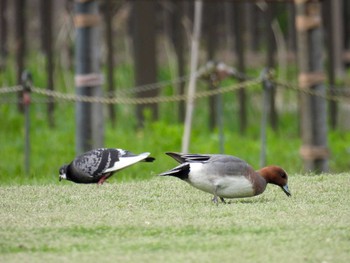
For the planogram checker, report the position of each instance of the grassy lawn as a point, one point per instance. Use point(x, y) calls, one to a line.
point(166, 220)
point(138, 217)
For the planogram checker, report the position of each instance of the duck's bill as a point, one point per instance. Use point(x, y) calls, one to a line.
point(286, 190)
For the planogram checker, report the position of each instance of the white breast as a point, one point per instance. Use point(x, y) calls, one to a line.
point(225, 185)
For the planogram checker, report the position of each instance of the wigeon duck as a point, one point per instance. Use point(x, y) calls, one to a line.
point(225, 176)
point(97, 165)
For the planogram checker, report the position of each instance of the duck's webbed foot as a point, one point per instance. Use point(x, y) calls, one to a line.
point(215, 200)
point(223, 200)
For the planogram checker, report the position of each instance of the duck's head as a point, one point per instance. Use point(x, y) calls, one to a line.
point(276, 175)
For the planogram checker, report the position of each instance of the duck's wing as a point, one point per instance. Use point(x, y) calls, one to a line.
point(189, 157)
point(215, 163)
point(227, 165)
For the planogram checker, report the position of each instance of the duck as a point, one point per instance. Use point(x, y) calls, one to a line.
point(226, 176)
point(97, 165)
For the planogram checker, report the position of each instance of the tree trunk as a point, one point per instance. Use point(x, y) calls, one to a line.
point(3, 33)
point(20, 43)
point(238, 14)
point(334, 28)
point(178, 39)
point(256, 27)
point(108, 16)
point(88, 80)
point(271, 47)
point(210, 9)
point(144, 36)
point(346, 32)
point(46, 38)
point(292, 45)
point(314, 150)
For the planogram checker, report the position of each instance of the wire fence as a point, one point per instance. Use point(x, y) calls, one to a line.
point(213, 72)
point(127, 96)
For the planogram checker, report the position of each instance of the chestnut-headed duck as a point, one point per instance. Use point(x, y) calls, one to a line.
point(226, 176)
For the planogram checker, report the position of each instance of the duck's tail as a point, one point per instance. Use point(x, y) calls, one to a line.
point(181, 171)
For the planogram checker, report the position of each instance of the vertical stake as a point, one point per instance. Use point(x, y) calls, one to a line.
point(26, 78)
point(267, 87)
point(215, 83)
point(219, 112)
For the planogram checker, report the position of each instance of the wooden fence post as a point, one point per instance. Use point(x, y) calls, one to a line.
point(88, 79)
point(314, 150)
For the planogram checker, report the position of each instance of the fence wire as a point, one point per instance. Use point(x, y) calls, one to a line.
point(327, 94)
point(144, 100)
point(337, 94)
point(12, 89)
point(148, 87)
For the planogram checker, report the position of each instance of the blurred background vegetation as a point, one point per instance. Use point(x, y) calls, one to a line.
point(246, 35)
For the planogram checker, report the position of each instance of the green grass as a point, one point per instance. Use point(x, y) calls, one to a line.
point(166, 220)
point(51, 147)
point(139, 218)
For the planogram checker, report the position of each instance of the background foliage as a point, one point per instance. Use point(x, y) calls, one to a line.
point(51, 147)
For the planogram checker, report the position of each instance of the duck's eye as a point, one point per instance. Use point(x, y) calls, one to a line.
point(283, 175)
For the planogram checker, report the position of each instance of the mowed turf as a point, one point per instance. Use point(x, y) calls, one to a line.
point(166, 220)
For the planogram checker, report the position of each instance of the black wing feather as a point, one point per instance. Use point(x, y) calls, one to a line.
point(183, 157)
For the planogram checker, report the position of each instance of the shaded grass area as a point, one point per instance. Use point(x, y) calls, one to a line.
point(164, 219)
